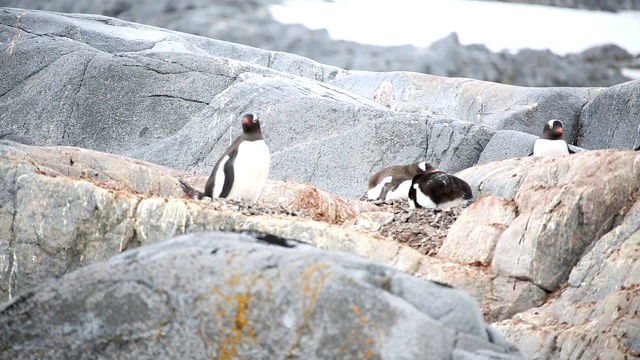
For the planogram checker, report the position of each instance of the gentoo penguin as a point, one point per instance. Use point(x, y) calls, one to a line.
point(241, 172)
point(551, 142)
point(438, 190)
point(393, 182)
point(636, 147)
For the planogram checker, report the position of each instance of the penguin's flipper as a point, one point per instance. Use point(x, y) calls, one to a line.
point(190, 191)
point(227, 169)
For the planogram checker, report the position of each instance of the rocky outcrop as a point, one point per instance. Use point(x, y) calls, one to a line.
point(538, 224)
point(559, 225)
point(233, 296)
point(173, 99)
point(614, 6)
point(63, 208)
point(529, 247)
point(250, 23)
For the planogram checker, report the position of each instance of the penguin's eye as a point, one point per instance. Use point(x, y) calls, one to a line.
point(255, 120)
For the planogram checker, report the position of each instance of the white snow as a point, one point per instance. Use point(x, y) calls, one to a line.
point(500, 26)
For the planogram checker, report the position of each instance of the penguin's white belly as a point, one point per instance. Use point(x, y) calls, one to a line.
point(421, 199)
point(375, 191)
point(550, 148)
point(401, 192)
point(250, 171)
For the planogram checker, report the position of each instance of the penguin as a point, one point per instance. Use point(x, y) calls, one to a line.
point(636, 147)
point(551, 142)
point(438, 190)
point(393, 182)
point(241, 172)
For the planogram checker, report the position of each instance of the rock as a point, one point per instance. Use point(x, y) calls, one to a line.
point(614, 6)
point(331, 139)
point(219, 295)
point(456, 145)
point(334, 130)
point(557, 209)
point(611, 119)
point(507, 144)
point(473, 237)
point(562, 212)
point(563, 205)
point(90, 206)
point(597, 314)
point(250, 23)
point(84, 221)
point(496, 106)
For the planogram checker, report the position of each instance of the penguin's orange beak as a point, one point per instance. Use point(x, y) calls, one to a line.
point(245, 121)
point(559, 131)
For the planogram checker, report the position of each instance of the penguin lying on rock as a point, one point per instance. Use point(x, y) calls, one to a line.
point(241, 172)
point(436, 189)
point(551, 142)
point(393, 182)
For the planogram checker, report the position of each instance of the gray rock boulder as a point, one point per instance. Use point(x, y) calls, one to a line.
point(250, 23)
point(235, 296)
point(168, 101)
point(614, 6)
point(563, 204)
point(497, 106)
point(611, 119)
point(62, 208)
point(557, 225)
point(537, 225)
point(173, 99)
point(596, 316)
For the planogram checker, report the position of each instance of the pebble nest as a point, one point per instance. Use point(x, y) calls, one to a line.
point(422, 229)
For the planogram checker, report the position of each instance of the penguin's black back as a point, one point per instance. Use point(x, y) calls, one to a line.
point(440, 187)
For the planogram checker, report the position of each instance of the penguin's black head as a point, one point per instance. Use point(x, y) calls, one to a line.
point(250, 124)
point(552, 130)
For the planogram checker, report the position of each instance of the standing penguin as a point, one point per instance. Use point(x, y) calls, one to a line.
point(551, 142)
point(241, 172)
point(438, 190)
point(393, 182)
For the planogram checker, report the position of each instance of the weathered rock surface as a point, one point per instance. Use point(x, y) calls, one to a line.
point(596, 316)
point(562, 206)
point(610, 5)
point(173, 99)
point(131, 89)
point(229, 296)
point(611, 119)
point(62, 208)
point(552, 221)
point(250, 23)
point(543, 223)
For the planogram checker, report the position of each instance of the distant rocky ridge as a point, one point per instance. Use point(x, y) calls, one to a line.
point(609, 5)
point(250, 23)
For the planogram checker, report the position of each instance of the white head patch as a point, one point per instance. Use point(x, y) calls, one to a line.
point(552, 121)
point(423, 166)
